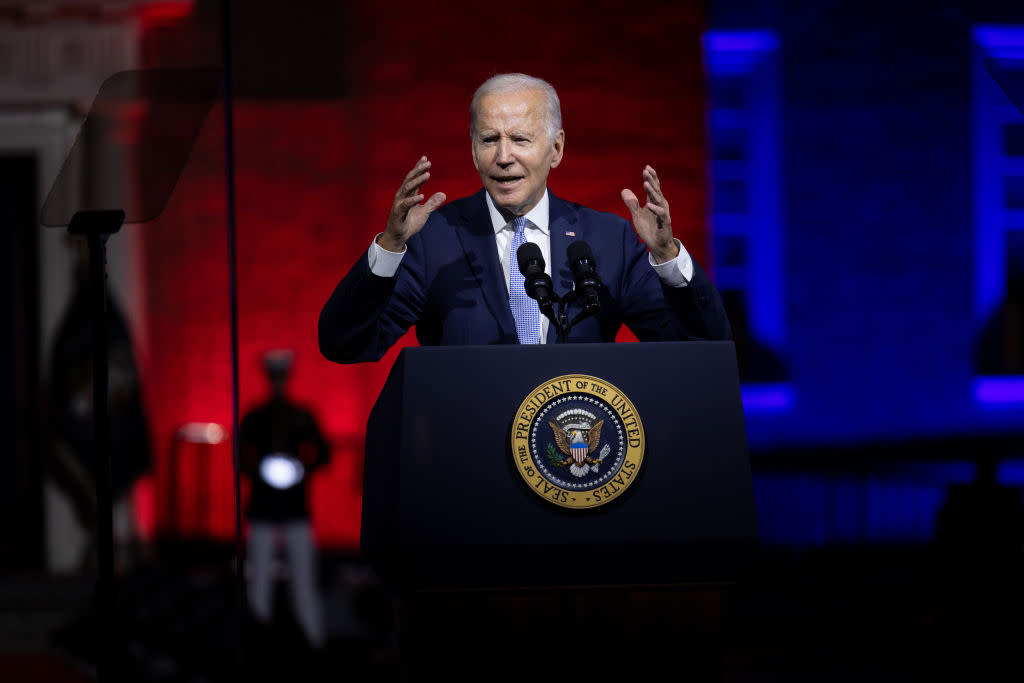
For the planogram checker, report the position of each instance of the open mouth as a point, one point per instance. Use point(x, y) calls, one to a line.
point(507, 181)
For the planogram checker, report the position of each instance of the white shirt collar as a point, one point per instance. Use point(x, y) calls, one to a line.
point(538, 215)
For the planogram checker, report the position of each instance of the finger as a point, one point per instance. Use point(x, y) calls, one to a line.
point(630, 200)
point(654, 193)
point(651, 176)
point(419, 167)
point(412, 186)
point(422, 165)
point(657, 210)
point(408, 202)
point(436, 200)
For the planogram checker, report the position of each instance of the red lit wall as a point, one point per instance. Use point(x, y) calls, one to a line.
point(315, 179)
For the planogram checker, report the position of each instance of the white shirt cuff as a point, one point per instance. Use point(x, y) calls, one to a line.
point(384, 263)
point(675, 273)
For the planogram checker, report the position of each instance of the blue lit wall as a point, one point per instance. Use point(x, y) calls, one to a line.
point(878, 216)
point(879, 269)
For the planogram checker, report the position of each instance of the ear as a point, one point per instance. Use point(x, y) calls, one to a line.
point(559, 146)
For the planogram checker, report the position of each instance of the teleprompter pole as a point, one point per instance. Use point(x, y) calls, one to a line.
point(97, 226)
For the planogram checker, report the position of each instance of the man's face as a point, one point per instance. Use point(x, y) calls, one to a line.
point(512, 150)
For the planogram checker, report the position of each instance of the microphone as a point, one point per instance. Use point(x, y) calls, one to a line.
point(584, 270)
point(537, 283)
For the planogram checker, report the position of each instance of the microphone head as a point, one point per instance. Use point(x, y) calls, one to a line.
point(579, 251)
point(529, 255)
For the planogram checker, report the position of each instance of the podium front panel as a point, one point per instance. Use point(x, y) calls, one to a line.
point(445, 506)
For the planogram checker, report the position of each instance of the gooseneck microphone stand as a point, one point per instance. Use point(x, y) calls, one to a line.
point(561, 319)
point(538, 285)
point(592, 304)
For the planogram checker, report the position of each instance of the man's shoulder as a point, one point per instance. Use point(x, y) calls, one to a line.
point(587, 213)
point(574, 212)
point(463, 208)
point(449, 218)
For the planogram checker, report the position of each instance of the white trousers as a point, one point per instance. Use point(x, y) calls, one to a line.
point(296, 538)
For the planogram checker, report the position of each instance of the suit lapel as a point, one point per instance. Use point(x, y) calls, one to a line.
point(564, 230)
point(477, 237)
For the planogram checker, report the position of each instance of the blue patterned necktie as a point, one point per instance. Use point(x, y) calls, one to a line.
point(524, 309)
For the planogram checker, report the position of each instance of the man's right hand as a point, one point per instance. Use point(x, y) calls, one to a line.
point(407, 214)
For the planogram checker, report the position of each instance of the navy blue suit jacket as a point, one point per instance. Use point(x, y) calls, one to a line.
point(451, 286)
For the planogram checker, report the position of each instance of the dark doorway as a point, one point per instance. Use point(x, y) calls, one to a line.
point(21, 491)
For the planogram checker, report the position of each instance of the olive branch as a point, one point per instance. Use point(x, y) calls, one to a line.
point(554, 459)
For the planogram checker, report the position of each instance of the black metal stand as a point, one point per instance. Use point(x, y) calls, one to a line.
point(176, 102)
point(561, 319)
point(97, 226)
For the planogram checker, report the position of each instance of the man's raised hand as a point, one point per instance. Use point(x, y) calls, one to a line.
point(653, 222)
point(407, 214)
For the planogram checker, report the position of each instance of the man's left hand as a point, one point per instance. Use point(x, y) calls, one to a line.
point(652, 222)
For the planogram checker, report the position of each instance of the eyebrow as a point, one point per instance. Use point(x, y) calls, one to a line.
point(515, 133)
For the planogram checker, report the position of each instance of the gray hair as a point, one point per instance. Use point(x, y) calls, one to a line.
point(510, 83)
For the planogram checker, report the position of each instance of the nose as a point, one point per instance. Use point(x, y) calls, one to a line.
point(504, 153)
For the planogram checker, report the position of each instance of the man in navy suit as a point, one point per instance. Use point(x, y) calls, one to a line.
point(451, 271)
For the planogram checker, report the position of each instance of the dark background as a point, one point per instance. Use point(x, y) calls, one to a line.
point(848, 172)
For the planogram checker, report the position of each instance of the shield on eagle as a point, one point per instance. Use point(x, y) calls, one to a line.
point(577, 441)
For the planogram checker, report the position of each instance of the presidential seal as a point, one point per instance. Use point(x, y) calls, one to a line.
point(578, 441)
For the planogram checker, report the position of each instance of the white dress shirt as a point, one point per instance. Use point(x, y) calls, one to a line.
point(674, 273)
